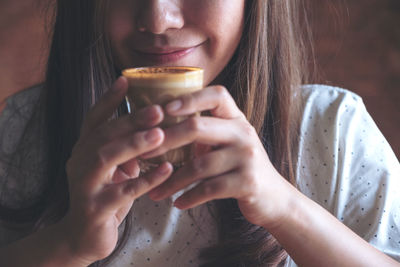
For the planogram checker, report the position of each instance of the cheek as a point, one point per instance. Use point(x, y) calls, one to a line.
point(119, 28)
point(227, 24)
point(223, 24)
point(120, 18)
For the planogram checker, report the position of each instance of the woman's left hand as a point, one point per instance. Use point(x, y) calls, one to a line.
point(237, 166)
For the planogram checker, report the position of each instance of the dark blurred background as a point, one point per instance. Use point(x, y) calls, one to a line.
point(357, 47)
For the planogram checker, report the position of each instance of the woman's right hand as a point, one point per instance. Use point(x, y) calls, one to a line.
point(102, 173)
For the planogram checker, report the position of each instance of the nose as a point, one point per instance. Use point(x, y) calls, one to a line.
point(158, 16)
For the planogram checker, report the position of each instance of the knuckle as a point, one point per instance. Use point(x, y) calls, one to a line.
point(249, 152)
point(99, 158)
point(248, 129)
point(188, 100)
point(250, 182)
point(130, 189)
point(194, 124)
point(144, 184)
point(135, 141)
point(198, 166)
point(220, 90)
point(209, 188)
point(222, 93)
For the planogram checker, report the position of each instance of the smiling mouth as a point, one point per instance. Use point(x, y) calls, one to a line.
point(163, 55)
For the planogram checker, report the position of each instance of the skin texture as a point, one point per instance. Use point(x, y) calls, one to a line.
point(23, 56)
point(103, 172)
point(103, 169)
point(142, 25)
point(237, 166)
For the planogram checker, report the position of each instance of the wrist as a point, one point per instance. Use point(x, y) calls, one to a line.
point(294, 212)
point(46, 248)
point(61, 248)
point(66, 246)
point(288, 207)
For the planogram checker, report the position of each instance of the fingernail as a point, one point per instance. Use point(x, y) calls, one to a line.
point(174, 105)
point(152, 136)
point(163, 169)
point(150, 114)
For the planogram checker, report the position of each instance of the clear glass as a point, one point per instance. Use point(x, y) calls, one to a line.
point(160, 85)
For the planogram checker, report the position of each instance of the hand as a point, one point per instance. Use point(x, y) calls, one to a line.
point(237, 166)
point(102, 173)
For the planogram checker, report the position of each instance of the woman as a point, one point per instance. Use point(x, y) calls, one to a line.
point(254, 50)
point(25, 41)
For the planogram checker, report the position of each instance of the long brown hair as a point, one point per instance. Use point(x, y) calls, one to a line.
point(269, 66)
point(262, 76)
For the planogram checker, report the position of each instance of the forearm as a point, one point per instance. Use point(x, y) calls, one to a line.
point(313, 237)
point(46, 247)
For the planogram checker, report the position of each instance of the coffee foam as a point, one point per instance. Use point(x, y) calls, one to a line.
point(154, 70)
point(155, 77)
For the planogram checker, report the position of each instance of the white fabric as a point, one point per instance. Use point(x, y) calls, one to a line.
point(344, 164)
point(163, 235)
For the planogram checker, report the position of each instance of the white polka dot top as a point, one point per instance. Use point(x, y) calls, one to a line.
point(163, 235)
point(344, 164)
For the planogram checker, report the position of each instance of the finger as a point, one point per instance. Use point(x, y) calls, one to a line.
point(221, 187)
point(214, 98)
point(209, 165)
point(144, 119)
point(116, 196)
point(128, 170)
point(205, 130)
point(131, 168)
point(106, 106)
point(124, 149)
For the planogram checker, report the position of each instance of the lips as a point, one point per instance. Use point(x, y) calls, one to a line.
point(162, 55)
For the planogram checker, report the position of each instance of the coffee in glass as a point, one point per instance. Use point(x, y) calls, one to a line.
point(160, 85)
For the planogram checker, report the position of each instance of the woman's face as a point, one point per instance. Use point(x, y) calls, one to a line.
point(202, 33)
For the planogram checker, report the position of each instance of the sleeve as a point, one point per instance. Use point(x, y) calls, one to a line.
point(9, 235)
point(346, 165)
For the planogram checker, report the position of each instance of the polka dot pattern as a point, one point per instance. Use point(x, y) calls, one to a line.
point(163, 235)
point(344, 164)
point(347, 166)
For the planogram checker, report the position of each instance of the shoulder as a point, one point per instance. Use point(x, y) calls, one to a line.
point(339, 116)
point(332, 111)
point(346, 165)
point(338, 135)
point(325, 98)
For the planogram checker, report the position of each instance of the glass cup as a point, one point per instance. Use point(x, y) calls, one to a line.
point(160, 85)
